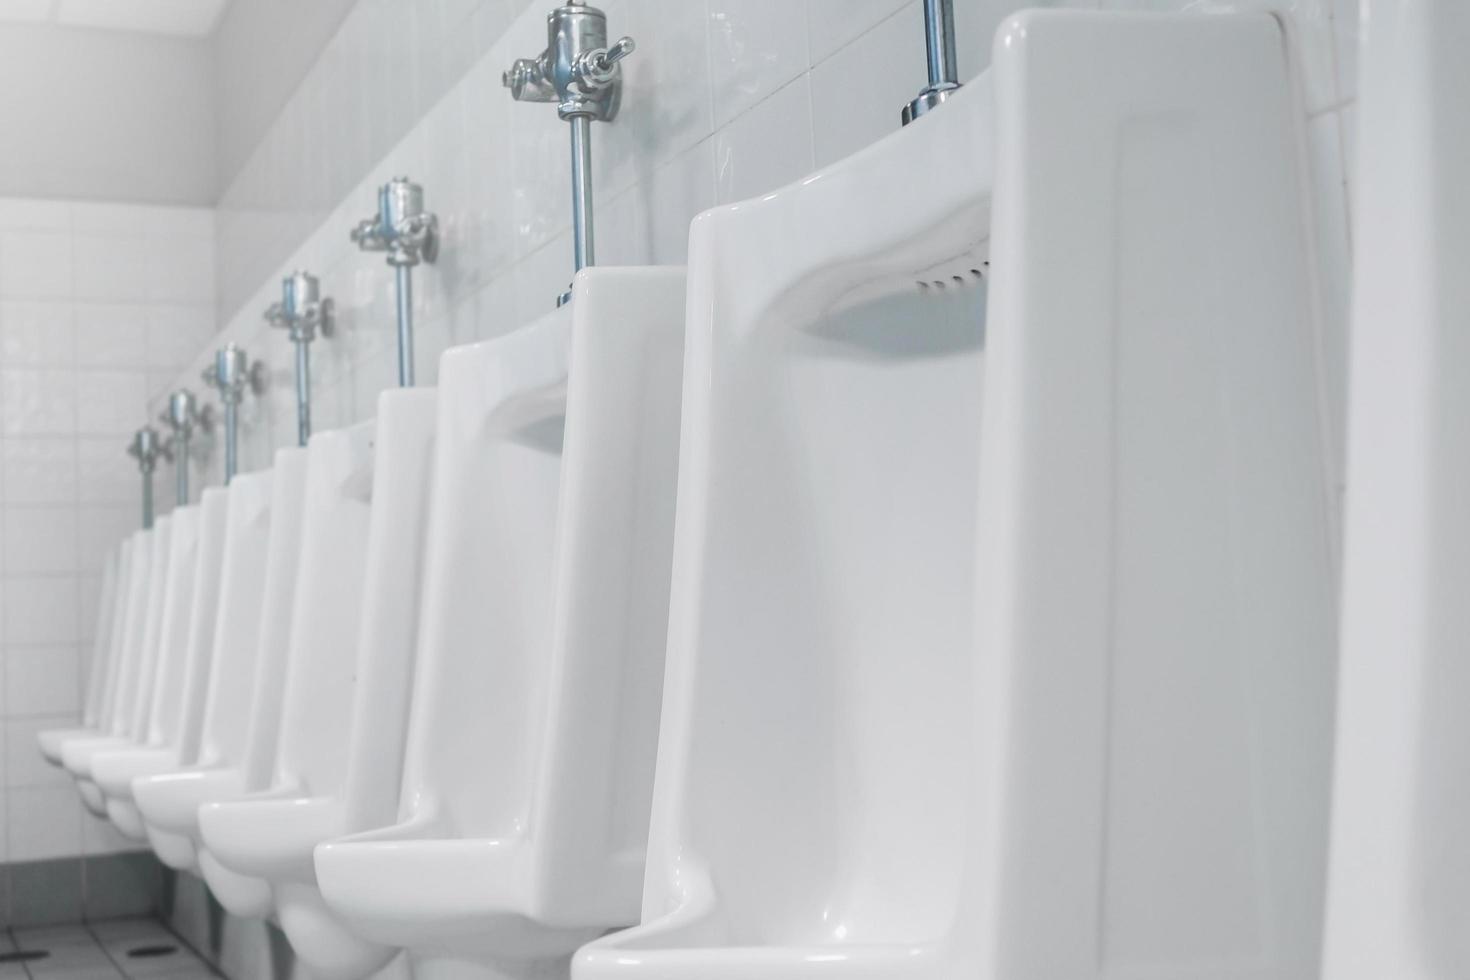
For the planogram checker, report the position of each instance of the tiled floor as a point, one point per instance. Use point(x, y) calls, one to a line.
point(102, 951)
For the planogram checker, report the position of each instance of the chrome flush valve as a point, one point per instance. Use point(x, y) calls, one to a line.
point(582, 75)
point(232, 373)
point(301, 309)
point(402, 227)
point(147, 448)
point(182, 416)
point(578, 70)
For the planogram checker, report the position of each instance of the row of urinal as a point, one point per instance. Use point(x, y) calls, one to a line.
point(740, 612)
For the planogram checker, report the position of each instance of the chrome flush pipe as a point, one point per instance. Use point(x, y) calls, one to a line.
point(410, 235)
point(943, 65)
point(303, 312)
point(182, 417)
point(146, 447)
point(579, 72)
point(231, 375)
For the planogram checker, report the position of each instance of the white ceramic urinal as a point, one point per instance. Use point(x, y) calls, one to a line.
point(1120, 770)
point(346, 704)
point(183, 668)
point(103, 668)
point(135, 694)
point(1399, 898)
point(157, 709)
point(175, 799)
point(528, 769)
point(318, 668)
point(169, 801)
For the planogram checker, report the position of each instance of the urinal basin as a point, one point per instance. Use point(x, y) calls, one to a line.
point(350, 669)
point(169, 801)
point(183, 670)
point(160, 707)
point(106, 655)
point(304, 674)
point(52, 739)
point(546, 585)
point(1399, 880)
point(1033, 683)
point(318, 669)
point(94, 712)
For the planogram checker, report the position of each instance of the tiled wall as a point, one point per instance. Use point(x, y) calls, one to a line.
point(98, 303)
point(725, 99)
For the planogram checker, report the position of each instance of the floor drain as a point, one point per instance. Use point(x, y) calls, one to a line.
point(148, 952)
point(24, 956)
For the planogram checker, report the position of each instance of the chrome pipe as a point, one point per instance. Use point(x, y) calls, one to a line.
point(939, 34)
point(232, 440)
point(404, 276)
point(147, 498)
point(303, 392)
point(583, 232)
point(181, 469)
point(939, 46)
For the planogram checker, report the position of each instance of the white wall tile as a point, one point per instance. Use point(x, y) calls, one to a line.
point(111, 335)
point(41, 681)
point(110, 269)
point(35, 265)
point(755, 48)
point(44, 822)
point(38, 401)
point(768, 147)
point(38, 540)
point(36, 334)
point(39, 611)
point(38, 470)
point(107, 402)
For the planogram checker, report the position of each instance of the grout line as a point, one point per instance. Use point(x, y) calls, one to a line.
point(87, 925)
point(203, 960)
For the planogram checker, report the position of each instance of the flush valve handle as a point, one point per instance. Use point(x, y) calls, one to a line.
point(600, 67)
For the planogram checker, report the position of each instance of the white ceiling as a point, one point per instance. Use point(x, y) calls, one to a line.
point(177, 18)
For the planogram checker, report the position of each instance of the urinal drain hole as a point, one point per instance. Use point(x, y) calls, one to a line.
point(151, 952)
point(956, 281)
point(24, 956)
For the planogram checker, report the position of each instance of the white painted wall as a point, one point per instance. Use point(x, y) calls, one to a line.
point(105, 116)
point(261, 50)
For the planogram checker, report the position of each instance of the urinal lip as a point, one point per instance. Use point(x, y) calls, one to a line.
point(53, 740)
point(114, 772)
point(77, 755)
point(170, 802)
point(461, 893)
point(272, 835)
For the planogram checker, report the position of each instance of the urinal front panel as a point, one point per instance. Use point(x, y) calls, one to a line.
point(141, 695)
point(278, 605)
point(237, 624)
point(145, 571)
point(102, 667)
point(479, 687)
point(317, 707)
point(1156, 606)
point(117, 630)
point(392, 590)
point(1399, 881)
point(167, 701)
point(203, 615)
